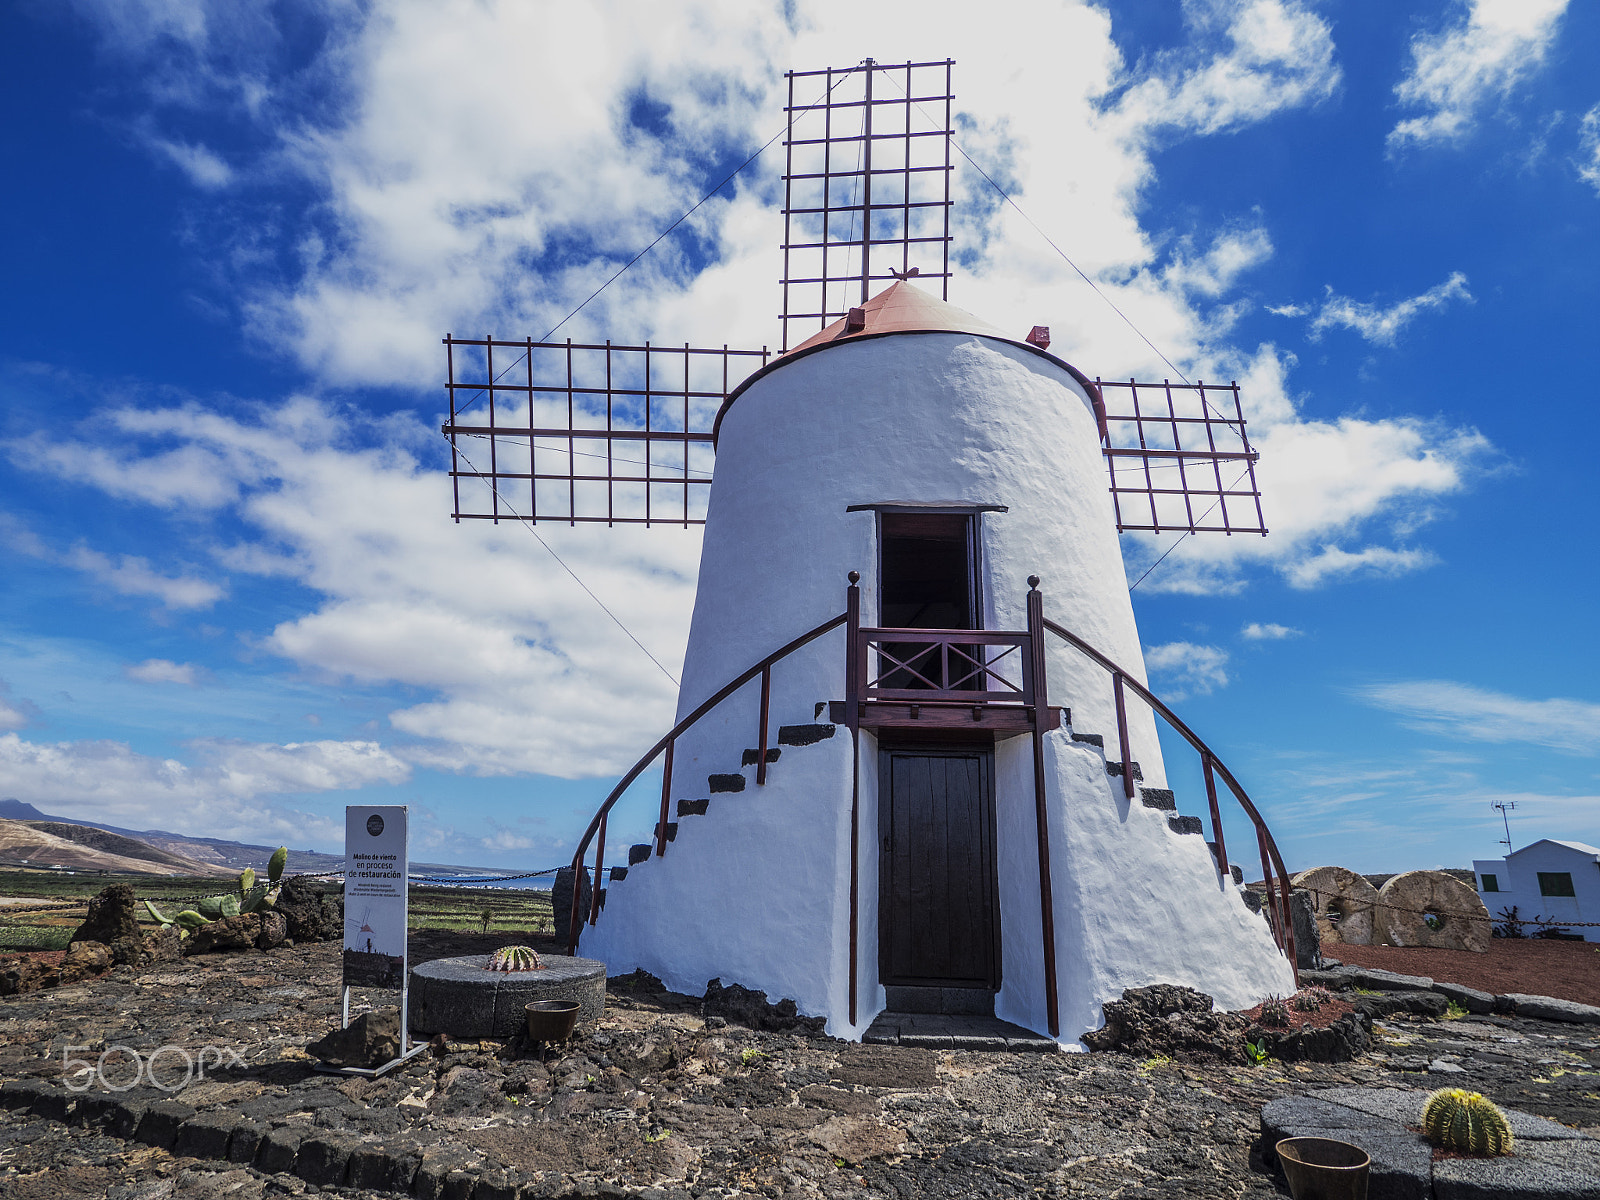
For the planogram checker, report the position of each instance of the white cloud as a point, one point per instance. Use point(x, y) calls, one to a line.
point(1331, 562)
point(203, 167)
point(125, 574)
point(1589, 147)
point(110, 782)
point(1194, 670)
point(130, 575)
point(1480, 715)
point(161, 670)
point(1383, 325)
point(1323, 483)
point(1255, 631)
point(1481, 57)
point(14, 714)
point(1280, 56)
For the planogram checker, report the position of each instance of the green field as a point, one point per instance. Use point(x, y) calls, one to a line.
point(477, 910)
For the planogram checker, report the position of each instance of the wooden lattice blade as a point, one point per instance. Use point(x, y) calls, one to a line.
point(582, 433)
point(1179, 458)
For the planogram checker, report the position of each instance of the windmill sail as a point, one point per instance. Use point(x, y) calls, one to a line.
point(1178, 460)
point(624, 434)
point(585, 434)
point(866, 187)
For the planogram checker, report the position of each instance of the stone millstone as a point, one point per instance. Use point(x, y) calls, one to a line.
point(371, 1040)
point(1400, 924)
point(458, 997)
point(1343, 891)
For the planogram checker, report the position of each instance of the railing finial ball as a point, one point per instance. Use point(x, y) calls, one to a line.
point(1033, 582)
point(854, 577)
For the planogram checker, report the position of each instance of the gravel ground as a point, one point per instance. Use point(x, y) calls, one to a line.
point(649, 1097)
point(1567, 970)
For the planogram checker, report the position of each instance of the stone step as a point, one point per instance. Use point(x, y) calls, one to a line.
point(753, 757)
point(693, 808)
point(1161, 798)
point(941, 1031)
point(1180, 824)
point(726, 783)
point(637, 854)
point(1115, 768)
point(804, 735)
point(672, 830)
point(1090, 739)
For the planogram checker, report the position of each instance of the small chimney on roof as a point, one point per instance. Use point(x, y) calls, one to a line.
point(1040, 337)
point(856, 321)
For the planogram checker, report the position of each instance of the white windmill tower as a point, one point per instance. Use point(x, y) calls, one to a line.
point(950, 839)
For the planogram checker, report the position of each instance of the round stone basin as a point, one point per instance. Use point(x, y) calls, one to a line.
point(458, 998)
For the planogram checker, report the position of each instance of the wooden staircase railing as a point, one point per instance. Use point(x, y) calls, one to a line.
point(958, 677)
point(596, 832)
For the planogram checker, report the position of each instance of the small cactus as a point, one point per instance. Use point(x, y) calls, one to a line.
point(1275, 1012)
point(514, 958)
point(1310, 999)
point(1456, 1119)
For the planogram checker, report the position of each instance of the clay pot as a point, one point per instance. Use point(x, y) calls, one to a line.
point(1323, 1169)
point(551, 1020)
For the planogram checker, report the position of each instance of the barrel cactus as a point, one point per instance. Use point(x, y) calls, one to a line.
point(1456, 1119)
point(514, 958)
point(1275, 1012)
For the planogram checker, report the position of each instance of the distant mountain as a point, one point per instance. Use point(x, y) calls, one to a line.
point(81, 848)
point(161, 850)
point(16, 810)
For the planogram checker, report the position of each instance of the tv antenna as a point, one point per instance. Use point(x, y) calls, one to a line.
point(1505, 806)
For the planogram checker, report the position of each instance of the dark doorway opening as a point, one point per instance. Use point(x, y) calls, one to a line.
point(928, 579)
point(939, 911)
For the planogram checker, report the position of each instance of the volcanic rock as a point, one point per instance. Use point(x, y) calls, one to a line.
point(371, 1040)
point(749, 1008)
point(230, 933)
point(313, 915)
point(1177, 1022)
point(113, 922)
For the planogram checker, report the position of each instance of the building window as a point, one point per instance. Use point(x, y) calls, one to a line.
point(1556, 883)
point(1490, 884)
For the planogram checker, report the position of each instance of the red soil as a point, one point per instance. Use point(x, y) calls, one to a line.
point(1320, 1018)
point(1566, 970)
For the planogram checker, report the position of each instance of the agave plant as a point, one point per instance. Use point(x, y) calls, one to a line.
point(514, 958)
point(1467, 1122)
point(250, 897)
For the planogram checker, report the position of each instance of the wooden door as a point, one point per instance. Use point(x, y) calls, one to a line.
point(938, 909)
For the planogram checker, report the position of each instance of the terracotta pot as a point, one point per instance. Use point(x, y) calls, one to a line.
point(1323, 1169)
point(552, 1020)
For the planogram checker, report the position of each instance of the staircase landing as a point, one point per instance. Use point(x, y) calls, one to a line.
point(949, 1031)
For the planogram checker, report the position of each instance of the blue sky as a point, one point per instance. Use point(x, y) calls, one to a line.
point(234, 235)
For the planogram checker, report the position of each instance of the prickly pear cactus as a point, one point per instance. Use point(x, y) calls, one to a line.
point(514, 958)
point(1456, 1119)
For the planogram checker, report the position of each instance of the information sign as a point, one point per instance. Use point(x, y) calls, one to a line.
point(376, 864)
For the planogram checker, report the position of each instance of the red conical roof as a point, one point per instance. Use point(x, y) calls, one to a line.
point(901, 308)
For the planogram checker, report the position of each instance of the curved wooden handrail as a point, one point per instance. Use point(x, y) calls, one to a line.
point(1209, 756)
point(650, 756)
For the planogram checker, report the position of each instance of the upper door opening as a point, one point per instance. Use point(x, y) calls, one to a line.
point(929, 578)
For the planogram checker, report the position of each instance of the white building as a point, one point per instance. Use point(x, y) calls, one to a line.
point(946, 461)
point(1549, 883)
